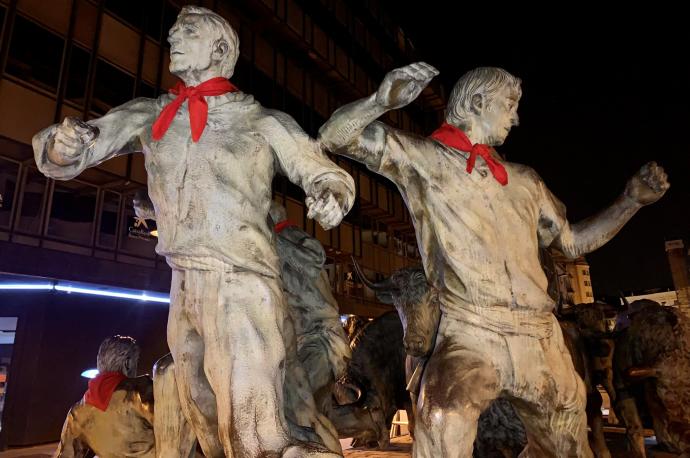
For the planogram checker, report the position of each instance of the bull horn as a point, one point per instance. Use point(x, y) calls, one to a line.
point(641, 372)
point(625, 301)
point(346, 393)
point(385, 285)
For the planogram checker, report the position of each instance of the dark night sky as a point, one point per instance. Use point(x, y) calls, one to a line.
point(602, 95)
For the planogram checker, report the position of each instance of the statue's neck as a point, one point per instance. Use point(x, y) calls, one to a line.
point(473, 131)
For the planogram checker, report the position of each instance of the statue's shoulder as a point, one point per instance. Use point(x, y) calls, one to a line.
point(142, 104)
point(522, 171)
point(275, 116)
point(143, 386)
point(274, 122)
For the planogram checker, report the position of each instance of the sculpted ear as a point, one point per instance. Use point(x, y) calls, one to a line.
point(220, 49)
point(477, 104)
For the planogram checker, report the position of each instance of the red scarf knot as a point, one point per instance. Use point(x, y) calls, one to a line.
point(453, 137)
point(198, 108)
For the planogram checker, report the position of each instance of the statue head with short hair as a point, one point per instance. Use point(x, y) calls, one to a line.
point(118, 354)
point(203, 45)
point(484, 102)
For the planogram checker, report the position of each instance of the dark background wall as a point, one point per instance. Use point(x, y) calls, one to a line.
point(57, 338)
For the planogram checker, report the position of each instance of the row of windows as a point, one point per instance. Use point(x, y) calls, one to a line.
point(156, 17)
point(35, 57)
point(78, 212)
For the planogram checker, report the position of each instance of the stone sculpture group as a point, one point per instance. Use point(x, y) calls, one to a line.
point(254, 352)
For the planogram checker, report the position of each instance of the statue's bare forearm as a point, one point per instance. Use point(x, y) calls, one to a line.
point(593, 232)
point(348, 122)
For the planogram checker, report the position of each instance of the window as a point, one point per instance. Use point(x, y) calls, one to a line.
point(35, 54)
point(112, 87)
point(107, 232)
point(146, 90)
point(78, 74)
point(128, 10)
point(242, 75)
point(588, 294)
point(262, 89)
point(72, 211)
point(169, 18)
point(588, 283)
point(33, 200)
point(153, 19)
point(9, 172)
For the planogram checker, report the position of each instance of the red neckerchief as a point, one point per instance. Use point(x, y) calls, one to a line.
point(198, 108)
point(101, 389)
point(451, 136)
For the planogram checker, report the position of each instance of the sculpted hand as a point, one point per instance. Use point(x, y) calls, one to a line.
point(402, 85)
point(327, 207)
point(648, 185)
point(71, 139)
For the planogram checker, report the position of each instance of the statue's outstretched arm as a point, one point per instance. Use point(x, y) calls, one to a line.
point(342, 133)
point(644, 188)
point(63, 151)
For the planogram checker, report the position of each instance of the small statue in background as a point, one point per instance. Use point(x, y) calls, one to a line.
point(115, 416)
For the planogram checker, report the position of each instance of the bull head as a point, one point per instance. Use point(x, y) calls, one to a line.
point(416, 303)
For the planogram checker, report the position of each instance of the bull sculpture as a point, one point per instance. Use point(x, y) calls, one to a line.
point(651, 370)
point(591, 347)
point(374, 382)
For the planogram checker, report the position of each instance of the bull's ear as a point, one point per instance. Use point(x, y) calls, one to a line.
point(385, 296)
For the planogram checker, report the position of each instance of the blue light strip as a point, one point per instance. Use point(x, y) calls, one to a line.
point(26, 286)
point(100, 292)
point(69, 289)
